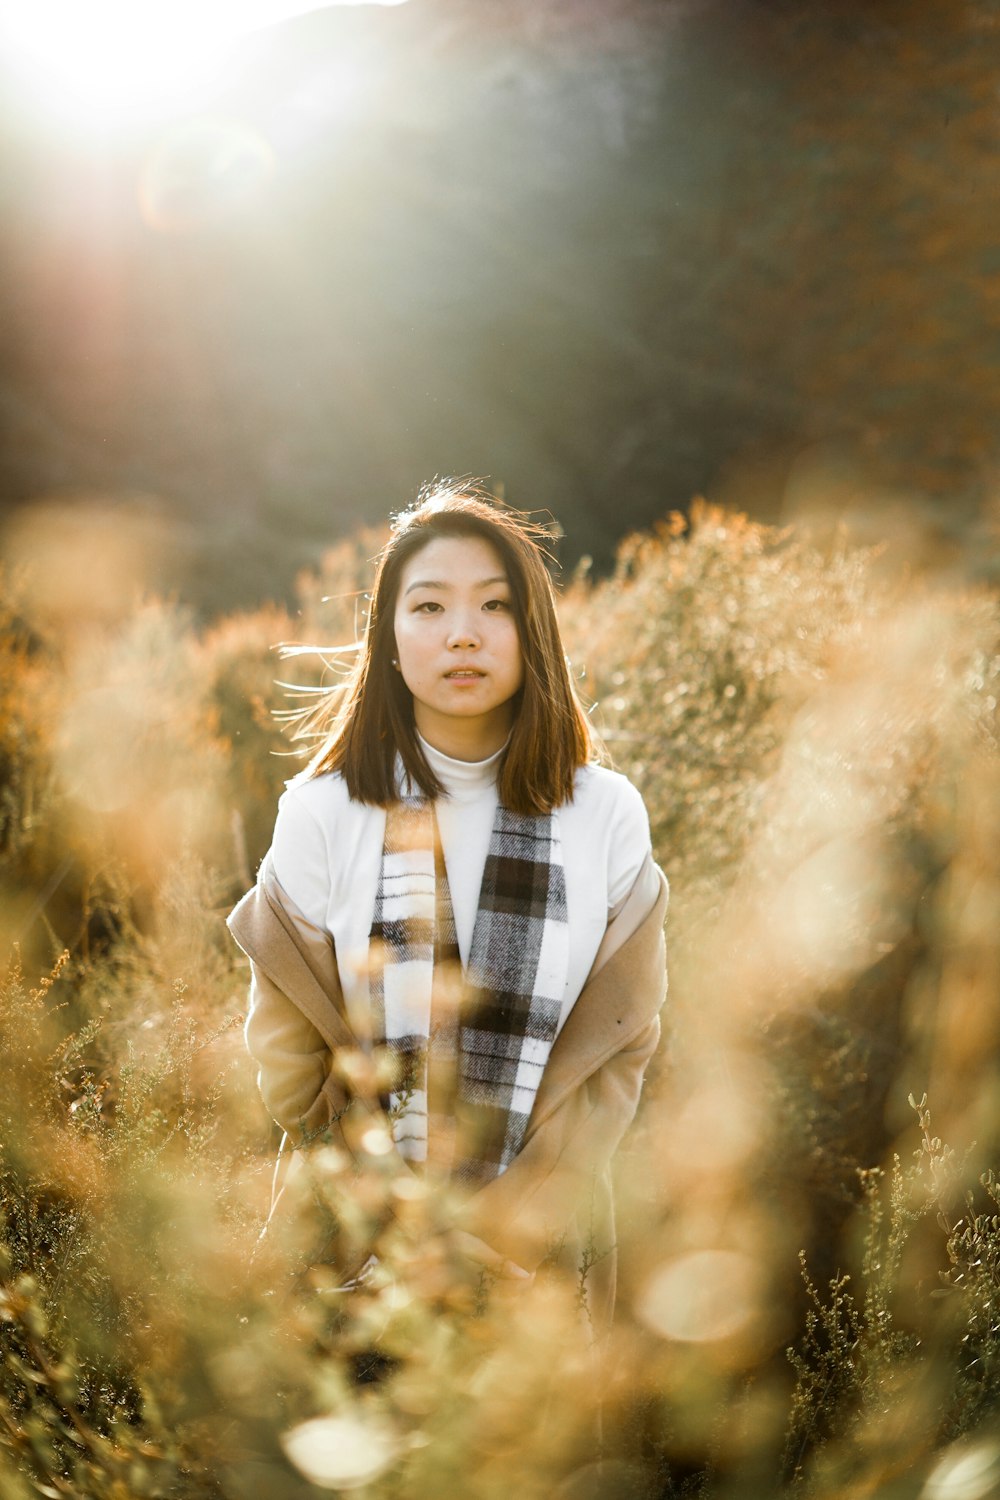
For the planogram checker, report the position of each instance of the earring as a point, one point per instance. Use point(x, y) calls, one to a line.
point(395, 662)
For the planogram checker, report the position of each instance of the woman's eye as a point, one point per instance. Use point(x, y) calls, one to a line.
point(427, 606)
point(497, 604)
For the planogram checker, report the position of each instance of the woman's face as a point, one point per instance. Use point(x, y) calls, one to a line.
point(457, 645)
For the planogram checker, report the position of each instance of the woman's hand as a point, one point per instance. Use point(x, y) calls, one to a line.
point(484, 1257)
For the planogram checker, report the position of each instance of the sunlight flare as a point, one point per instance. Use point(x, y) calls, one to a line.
point(113, 58)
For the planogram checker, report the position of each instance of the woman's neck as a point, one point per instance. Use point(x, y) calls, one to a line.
point(473, 739)
point(462, 780)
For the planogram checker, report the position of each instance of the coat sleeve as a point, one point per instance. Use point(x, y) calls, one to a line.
point(293, 1061)
point(293, 1058)
point(524, 1213)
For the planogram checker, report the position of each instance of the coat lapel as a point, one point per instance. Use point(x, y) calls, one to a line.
point(264, 931)
point(614, 1006)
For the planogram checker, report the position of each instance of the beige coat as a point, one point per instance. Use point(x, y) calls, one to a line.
point(554, 1200)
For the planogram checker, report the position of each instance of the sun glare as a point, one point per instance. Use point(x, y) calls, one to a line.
point(110, 59)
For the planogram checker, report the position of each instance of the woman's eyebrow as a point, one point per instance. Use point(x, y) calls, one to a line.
point(430, 583)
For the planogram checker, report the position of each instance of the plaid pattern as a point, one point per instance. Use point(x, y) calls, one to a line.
point(472, 1047)
point(414, 960)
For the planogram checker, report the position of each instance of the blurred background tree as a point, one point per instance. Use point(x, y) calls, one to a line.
point(612, 252)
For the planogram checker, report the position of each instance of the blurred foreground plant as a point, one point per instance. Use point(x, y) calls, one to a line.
point(816, 740)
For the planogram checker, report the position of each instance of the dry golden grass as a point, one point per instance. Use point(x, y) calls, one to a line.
point(816, 739)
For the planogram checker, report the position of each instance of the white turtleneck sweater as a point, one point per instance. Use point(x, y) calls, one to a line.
point(327, 854)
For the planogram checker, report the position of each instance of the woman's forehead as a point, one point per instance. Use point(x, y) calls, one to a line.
point(454, 559)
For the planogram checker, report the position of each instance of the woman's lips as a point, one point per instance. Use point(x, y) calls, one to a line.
point(464, 674)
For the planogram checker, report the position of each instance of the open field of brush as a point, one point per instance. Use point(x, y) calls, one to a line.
point(809, 1231)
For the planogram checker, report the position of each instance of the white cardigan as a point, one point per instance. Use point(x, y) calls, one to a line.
point(327, 853)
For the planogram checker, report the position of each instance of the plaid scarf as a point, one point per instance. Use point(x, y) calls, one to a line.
point(471, 1047)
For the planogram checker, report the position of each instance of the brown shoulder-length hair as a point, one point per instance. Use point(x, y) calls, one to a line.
point(369, 720)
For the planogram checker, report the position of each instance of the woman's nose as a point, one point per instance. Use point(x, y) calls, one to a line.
point(463, 633)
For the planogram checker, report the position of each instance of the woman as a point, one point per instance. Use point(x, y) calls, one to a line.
point(453, 824)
